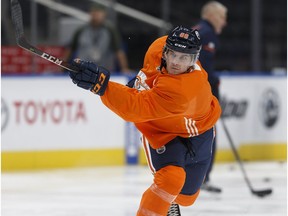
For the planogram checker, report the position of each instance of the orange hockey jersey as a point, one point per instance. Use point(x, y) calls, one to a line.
point(173, 105)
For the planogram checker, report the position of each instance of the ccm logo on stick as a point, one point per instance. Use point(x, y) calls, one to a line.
point(51, 58)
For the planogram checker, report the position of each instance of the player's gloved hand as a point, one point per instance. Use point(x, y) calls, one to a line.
point(131, 82)
point(90, 76)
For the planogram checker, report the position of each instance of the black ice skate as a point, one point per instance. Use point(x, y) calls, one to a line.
point(174, 210)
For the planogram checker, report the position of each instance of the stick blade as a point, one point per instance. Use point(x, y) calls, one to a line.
point(17, 19)
point(262, 193)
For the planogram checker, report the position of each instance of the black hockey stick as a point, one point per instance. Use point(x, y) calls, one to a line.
point(17, 20)
point(259, 193)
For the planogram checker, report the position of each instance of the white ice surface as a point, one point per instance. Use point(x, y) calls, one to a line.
point(116, 191)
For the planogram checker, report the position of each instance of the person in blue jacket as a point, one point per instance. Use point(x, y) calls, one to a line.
point(213, 20)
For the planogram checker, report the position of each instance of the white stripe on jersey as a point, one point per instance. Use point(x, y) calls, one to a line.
point(191, 127)
point(148, 154)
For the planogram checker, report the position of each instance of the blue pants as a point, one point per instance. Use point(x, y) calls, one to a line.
point(193, 154)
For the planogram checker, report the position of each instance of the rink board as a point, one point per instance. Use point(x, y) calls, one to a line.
point(47, 122)
point(255, 112)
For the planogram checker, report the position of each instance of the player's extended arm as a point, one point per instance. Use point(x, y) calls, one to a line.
point(128, 103)
point(135, 106)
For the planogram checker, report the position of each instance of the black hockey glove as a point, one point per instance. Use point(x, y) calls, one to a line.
point(90, 76)
point(131, 82)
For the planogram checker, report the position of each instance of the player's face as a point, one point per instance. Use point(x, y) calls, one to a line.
point(177, 62)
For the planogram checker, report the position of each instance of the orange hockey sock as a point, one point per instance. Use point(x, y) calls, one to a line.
point(186, 200)
point(157, 199)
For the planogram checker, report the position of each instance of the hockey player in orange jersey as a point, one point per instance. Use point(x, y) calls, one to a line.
point(172, 106)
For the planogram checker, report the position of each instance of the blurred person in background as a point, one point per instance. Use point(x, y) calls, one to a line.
point(100, 42)
point(213, 20)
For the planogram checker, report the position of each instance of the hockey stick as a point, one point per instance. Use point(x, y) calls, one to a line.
point(17, 20)
point(259, 193)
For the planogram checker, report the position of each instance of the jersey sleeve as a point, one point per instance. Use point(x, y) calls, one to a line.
point(141, 106)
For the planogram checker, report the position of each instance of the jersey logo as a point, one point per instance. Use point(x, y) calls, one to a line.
point(140, 83)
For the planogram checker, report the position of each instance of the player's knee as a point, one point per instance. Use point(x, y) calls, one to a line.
point(187, 200)
point(167, 185)
point(170, 179)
